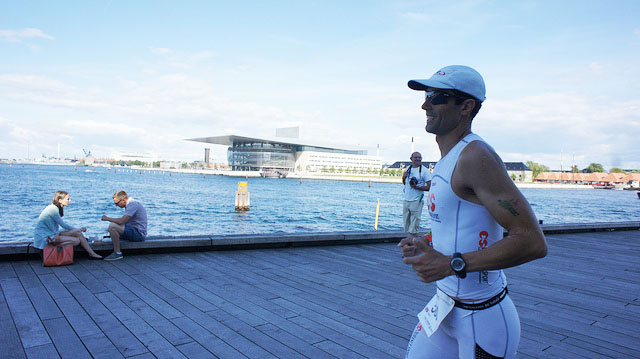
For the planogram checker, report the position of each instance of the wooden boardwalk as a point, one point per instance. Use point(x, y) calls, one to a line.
point(351, 301)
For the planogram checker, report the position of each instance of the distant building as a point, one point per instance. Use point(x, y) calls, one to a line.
point(146, 157)
point(259, 154)
point(519, 172)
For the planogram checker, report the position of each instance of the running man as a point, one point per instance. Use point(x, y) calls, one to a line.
point(470, 201)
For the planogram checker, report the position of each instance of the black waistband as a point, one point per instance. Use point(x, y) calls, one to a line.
point(483, 305)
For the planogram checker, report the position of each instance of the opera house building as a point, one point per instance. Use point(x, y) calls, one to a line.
point(282, 157)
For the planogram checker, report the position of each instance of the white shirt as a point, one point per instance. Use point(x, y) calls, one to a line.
point(423, 176)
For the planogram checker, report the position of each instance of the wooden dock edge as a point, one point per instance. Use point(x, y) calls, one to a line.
point(160, 244)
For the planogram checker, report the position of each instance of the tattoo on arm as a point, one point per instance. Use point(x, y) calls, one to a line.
point(509, 206)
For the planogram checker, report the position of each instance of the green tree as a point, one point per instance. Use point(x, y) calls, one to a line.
point(617, 170)
point(575, 169)
point(536, 168)
point(594, 167)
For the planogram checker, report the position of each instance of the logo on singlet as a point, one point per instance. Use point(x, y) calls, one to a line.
point(483, 276)
point(431, 205)
point(483, 242)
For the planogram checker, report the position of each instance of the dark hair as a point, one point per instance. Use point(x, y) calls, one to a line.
point(464, 96)
point(56, 200)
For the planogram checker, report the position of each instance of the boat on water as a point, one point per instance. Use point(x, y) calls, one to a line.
point(272, 173)
point(603, 185)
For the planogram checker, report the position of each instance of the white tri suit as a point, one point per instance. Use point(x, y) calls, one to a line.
point(490, 327)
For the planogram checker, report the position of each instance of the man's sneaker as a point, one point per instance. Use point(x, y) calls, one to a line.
point(113, 256)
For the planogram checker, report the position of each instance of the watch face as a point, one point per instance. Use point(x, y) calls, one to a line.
point(457, 264)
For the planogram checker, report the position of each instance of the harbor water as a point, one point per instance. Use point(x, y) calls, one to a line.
point(180, 204)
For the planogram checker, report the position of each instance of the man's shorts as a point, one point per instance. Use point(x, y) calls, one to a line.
point(131, 234)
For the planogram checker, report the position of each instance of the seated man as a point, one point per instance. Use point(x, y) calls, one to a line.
point(132, 226)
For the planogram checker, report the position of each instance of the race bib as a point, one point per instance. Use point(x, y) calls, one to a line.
point(435, 312)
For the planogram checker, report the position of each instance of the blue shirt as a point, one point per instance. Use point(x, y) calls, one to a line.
point(47, 225)
point(138, 216)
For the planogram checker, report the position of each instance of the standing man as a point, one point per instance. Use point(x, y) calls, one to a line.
point(470, 202)
point(416, 181)
point(132, 226)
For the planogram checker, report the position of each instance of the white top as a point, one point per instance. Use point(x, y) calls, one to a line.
point(422, 175)
point(461, 226)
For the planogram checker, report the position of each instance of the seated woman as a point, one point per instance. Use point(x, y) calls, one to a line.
point(49, 222)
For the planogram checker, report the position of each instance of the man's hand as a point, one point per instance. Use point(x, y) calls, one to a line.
point(407, 247)
point(105, 218)
point(431, 265)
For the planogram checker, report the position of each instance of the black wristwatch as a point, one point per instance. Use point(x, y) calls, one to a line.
point(459, 265)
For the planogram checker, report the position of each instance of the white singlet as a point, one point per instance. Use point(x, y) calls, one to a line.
point(461, 226)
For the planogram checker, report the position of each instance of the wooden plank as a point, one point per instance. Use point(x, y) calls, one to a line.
point(154, 342)
point(7, 271)
point(120, 336)
point(236, 340)
point(10, 344)
point(337, 350)
point(303, 347)
point(78, 318)
point(338, 344)
point(266, 342)
point(45, 351)
point(101, 347)
point(30, 329)
point(65, 339)
point(265, 309)
point(206, 339)
point(159, 323)
point(193, 350)
point(343, 326)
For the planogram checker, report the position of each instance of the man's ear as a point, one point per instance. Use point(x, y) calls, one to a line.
point(467, 107)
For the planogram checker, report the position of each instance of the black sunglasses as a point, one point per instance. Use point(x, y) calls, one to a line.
point(439, 97)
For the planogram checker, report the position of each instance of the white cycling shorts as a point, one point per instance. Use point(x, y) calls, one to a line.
point(470, 334)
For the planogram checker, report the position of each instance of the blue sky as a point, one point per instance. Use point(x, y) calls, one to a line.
point(562, 76)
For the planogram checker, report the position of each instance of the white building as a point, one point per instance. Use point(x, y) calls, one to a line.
point(257, 154)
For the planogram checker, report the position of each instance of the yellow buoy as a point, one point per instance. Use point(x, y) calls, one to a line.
point(242, 196)
point(375, 226)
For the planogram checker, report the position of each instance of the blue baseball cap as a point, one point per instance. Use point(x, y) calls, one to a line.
point(455, 77)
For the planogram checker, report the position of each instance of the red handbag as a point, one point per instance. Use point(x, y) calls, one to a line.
point(53, 255)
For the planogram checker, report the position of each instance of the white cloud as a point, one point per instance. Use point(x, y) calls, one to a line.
point(19, 35)
point(47, 91)
point(596, 68)
point(546, 125)
point(160, 51)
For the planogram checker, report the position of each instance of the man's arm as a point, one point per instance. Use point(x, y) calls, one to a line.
point(121, 220)
point(480, 177)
